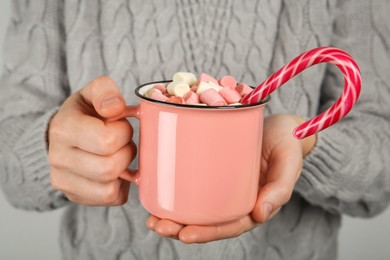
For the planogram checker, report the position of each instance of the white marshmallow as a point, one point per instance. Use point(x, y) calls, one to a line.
point(203, 86)
point(187, 77)
point(215, 86)
point(178, 88)
point(150, 92)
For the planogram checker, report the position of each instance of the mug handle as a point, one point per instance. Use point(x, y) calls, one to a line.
point(131, 175)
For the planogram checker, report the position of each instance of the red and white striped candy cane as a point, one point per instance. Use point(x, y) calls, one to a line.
point(352, 85)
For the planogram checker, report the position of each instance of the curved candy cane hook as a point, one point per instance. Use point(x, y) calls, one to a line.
point(352, 86)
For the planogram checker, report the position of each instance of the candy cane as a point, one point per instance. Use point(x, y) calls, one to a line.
point(352, 85)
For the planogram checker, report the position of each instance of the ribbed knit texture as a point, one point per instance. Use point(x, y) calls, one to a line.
point(54, 48)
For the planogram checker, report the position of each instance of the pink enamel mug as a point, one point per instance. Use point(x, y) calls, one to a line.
point(197, 164)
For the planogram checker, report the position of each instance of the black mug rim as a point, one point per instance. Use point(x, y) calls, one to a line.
point(264, 101)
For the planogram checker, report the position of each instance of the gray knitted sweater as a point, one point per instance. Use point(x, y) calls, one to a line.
point(54, 48)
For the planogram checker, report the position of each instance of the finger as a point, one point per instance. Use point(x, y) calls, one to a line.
point(122, 198)
point(90, 133)
point(103, 194)
point(104, 95)
point(79, 200)
point(94, 167)
point(167, 228)
point(281, 176)
point(151, 222)
point(202, 234)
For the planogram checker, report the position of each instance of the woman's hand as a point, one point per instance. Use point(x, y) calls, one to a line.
point(88, 153)
point(281, 165)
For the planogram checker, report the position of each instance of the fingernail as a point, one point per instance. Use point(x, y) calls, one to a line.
point(110, 101)
point(267, 208)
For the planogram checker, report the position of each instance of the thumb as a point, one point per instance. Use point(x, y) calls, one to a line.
point(105, 97)
point(281, 176)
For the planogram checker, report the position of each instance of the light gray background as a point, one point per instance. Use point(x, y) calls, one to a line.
point(31, 235)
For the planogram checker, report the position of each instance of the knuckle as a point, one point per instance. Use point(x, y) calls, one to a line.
point(58, 128)
point(110, 194)
point(101, 81)
point(107, 170)
point(107, 142)
point(71, 198)
point(54, 159)
point(285, 194)
point(66, 118)
point(55, 183)
point(55, 127)
point(95, 84)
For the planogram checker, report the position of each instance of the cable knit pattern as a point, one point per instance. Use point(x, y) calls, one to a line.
point(33, 85)
point(54, 48)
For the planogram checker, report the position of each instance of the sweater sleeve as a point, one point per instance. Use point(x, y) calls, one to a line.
point(33, 85)
point(348, 171)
